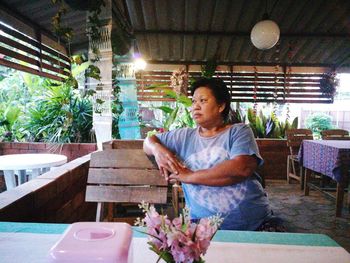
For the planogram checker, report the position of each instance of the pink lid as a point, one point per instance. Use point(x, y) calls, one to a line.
point(93, 242)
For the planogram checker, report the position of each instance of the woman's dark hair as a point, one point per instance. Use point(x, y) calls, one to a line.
point(221, 94)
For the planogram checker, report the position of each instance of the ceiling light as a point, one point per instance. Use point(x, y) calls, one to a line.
point(140, 64)
point(265, 34)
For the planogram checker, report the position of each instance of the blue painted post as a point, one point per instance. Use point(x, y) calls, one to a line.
point(129, 126)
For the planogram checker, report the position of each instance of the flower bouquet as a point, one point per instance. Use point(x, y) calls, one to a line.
point(178, 240)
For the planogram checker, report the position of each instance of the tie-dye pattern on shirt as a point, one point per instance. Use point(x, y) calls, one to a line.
point(215, 199)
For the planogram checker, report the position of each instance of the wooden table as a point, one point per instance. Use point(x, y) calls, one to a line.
point(28, 242)
point(18, 164)
point(330, 158)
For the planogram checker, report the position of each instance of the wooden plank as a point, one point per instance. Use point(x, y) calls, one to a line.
point(280, 78)
point(292, 75)
point(126, 177)
point(151, 93)
point(291, 90)
point(154, 99)
point(279, 95)
point(279, 84)
point(11, 64)
point(125, 194)
point(34, 52)
point(121, 158)
point(33, 42)
point(31, 61)
point(127, 144)
point(327, 101)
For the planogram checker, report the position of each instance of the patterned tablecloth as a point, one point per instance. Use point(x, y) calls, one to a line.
point(325, 157)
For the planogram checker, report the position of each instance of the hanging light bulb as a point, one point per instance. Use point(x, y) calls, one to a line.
point(140, 64)
point(265, 34)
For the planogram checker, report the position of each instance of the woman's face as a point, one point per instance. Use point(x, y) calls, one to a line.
point(205, 109)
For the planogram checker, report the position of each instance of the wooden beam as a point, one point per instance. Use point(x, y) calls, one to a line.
point(13, 65)
point(23, 24)
point(313, 35)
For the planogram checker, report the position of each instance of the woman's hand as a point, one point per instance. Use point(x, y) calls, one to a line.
point(167, 162)
point(183, 175)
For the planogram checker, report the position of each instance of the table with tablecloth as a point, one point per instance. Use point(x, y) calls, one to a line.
point(31, 242)
point(330, 158)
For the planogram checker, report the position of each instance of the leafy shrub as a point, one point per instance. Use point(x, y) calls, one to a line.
point(61, 115)
point(318, 122)
point(269, 126)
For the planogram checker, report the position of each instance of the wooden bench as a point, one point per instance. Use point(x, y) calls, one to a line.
point(123, 176)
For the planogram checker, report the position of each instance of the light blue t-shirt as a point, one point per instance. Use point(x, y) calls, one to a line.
point(244, 205)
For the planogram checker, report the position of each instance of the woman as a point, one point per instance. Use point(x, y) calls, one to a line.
point(215, 162)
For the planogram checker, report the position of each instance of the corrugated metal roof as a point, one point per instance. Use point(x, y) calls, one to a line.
point(313, 32)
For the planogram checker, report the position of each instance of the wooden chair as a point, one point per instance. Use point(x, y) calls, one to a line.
point(335, 134)
point(175, 191)
point(123, 176)
point(294, 140)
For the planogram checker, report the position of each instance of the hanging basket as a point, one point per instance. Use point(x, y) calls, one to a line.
point(328, 84)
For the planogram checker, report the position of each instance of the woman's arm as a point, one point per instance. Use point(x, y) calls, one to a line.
point(166, 160)
point(226, 173)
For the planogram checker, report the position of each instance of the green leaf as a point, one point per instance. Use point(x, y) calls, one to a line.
point(171, 118)
point(11, 114)
point(295, 123)
point(170, 93)
point(80, 68)
point(93, 72)
point(157, 86)
point(251, 116)
point(164, 109)
point(186, 101)
point(260, 128)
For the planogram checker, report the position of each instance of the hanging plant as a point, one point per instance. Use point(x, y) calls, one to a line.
point(208, 70)
point(329, 84)
point(179, 81)
point(59, 30)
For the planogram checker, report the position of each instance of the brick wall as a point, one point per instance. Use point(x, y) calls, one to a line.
point(57, 196)
point(71, 150)
point(274, 152)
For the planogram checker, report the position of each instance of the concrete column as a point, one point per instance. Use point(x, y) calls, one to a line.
point(102, 113)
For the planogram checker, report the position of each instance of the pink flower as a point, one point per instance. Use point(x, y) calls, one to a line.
point(183, 240)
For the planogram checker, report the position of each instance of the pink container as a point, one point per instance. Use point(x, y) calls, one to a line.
point(90, 242)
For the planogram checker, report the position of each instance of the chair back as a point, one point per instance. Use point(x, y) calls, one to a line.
point(124, 176)
point(335, 134)
point(295, 137)
point(123, 144)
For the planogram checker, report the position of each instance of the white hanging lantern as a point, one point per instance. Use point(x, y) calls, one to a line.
point(265, 34)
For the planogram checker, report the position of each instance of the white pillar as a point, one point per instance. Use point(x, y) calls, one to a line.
point(102, 113)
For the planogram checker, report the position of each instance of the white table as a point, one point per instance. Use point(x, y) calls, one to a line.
point(18, 164)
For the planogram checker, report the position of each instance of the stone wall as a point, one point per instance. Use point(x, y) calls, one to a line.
point(57, 196)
